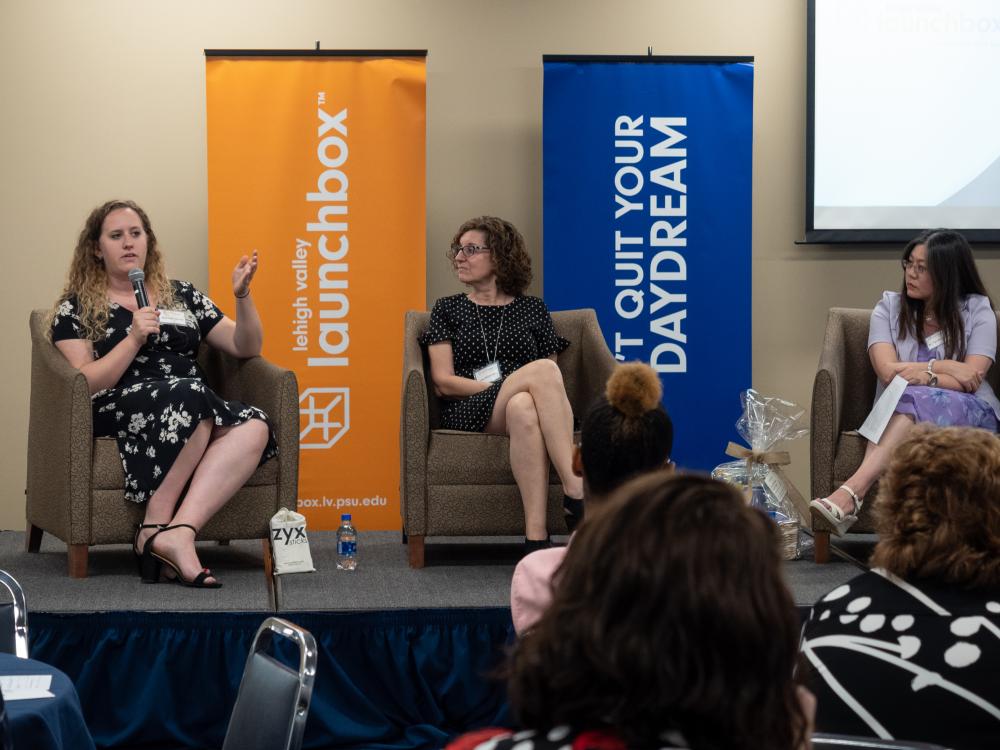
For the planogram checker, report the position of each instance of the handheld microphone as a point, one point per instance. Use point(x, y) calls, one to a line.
point(138, 278)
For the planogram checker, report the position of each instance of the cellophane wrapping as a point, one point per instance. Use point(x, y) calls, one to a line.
point(765, 424)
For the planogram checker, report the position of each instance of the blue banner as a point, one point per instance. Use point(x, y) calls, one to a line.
point(647, 219)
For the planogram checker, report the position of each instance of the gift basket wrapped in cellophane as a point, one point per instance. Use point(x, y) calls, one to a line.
point(765, 423)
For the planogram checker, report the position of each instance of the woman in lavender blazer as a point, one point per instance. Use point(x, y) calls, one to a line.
point(939, 333)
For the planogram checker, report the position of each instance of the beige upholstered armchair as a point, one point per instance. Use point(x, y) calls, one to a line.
point(843, 392)
point(75, 487)
point(459, 483)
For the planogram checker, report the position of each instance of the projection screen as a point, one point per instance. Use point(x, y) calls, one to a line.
point(903, 119)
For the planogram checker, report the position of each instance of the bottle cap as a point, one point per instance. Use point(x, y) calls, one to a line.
point(345, 516)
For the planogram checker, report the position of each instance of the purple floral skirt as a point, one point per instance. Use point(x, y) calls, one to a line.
point(946, 408)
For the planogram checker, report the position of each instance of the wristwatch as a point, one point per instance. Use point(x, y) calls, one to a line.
point(933, 380)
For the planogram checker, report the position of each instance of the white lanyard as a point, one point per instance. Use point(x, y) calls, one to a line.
point(496, 349)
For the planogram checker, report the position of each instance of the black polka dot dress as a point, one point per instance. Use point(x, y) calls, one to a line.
point(159, 400)
point(513, 334)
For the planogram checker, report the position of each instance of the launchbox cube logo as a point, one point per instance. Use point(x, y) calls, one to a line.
point(324, 416)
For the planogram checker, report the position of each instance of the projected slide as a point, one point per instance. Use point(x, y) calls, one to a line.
point(906, 114)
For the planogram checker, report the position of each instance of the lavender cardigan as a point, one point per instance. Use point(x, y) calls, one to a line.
point(980, 336)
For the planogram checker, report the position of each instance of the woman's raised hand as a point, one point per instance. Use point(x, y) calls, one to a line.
point(145, 322)
point(243, 274)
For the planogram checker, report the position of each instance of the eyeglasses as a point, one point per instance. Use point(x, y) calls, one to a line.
point(468, 250)
point(919, 268)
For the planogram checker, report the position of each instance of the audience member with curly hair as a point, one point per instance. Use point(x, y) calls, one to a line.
point(624, 434)
point(492, 357)
point(911, 649)
point(670, 626)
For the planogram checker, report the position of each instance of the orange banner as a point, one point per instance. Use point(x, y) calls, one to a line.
point(318, 163)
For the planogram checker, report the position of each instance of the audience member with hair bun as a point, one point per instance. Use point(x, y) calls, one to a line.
point(911, 649)
point(670, 627)
point(626, 433)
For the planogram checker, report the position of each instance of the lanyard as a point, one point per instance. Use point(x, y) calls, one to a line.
point(486, 346)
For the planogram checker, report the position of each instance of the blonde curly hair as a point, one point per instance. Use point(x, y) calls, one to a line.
point(87, 279)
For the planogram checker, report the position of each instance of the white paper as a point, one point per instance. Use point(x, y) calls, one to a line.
point(19, 687)
point(934, 340)
point(875, 425)
point(777, 487)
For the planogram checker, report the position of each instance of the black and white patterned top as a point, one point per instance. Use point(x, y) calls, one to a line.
point(897, 660)
point(515, 334)
point(157, 403)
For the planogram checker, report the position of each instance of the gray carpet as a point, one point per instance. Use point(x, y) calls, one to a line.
point(460, 572)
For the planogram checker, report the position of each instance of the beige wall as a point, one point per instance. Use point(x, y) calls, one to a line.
point(106, 98)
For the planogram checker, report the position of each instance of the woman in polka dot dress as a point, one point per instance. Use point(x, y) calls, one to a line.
point(911, 649)
point(493, 363)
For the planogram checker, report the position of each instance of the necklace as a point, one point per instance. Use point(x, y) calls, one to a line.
point(486, 346)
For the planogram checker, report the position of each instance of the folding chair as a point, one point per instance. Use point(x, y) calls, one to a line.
point(273, 700)
point(13, 619)
point(823, 741)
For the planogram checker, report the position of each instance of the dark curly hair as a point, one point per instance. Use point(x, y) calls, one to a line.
point(507, 249)
point(938, 516)
point(669, 613)
point(626, 432)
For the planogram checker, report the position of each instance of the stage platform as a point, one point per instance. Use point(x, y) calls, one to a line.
point(460, 573)
point(407, 658)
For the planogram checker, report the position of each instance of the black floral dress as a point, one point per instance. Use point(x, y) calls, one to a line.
point(160, 399)
point(513, 334)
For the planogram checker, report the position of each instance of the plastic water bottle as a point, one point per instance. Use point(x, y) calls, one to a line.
point(347, 544)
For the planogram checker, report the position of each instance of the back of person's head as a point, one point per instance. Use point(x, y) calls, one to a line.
point(626, 432)
point(938, 511)
point(669, 614)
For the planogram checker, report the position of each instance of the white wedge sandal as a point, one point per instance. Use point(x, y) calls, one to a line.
point(832, 514)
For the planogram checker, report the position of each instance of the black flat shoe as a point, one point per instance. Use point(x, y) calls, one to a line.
point(533, 545)
point(574, 512)
point(152, 562)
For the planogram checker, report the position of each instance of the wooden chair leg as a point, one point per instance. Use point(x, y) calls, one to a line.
point(32, 538)
point(76, 555)
point(269, 577)
point(415, 546)
point(821, 542)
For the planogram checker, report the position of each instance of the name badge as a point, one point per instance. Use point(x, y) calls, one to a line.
point(173, 318)
point(488, 374)
point(934, 340)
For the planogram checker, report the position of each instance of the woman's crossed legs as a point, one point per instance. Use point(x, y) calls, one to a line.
point(218, 461)
point(533, 410)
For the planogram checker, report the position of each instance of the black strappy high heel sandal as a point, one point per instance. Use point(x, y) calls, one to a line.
point(574, 512)
point(135, 541)
point(151, 563)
